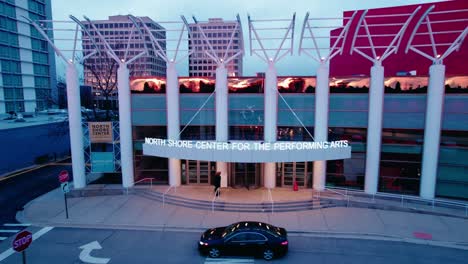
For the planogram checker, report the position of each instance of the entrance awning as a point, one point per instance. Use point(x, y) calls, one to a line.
point(247, 151)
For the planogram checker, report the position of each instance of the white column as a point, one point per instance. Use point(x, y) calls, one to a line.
point(374, 129)
point(173, 119)
point(271, 120)
point(434, 110)
point(125, 124)
point(221, 107)
point(322, 93)
point(76, 131)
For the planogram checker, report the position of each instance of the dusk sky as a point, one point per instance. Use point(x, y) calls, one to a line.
point(203, 9)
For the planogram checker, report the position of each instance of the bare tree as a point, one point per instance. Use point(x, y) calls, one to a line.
point(103, 70)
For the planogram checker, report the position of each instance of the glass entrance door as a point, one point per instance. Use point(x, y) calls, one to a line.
point(288, 172)
point(245, 175)
point(198, 171)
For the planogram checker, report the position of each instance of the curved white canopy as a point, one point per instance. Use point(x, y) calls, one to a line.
point(247, 151)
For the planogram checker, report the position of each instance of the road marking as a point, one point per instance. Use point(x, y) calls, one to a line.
point(16, 224)
point(36, 236)
point(9, 231)
point(228, 260)
point(29, 170)
point(85, 254)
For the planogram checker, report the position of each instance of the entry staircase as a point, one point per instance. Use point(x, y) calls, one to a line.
point(222, 205)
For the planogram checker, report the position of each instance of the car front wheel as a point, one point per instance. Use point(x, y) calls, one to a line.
point(268, 254)
point(214, 253)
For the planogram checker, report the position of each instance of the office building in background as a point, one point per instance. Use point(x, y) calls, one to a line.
point(117, 31)
point(218, 32)
point(27, 72)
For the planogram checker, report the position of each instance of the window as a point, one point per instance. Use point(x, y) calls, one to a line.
point(256, 237)
point(239, 237)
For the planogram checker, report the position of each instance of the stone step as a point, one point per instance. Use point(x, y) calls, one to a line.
point(168, 198)
point(238, 207)
point(175, 197)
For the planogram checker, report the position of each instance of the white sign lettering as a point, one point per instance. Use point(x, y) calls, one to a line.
point(242, 145)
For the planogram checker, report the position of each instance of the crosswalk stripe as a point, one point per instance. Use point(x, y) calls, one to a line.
point(8, 231)
point(228, 260)
point(3, 238)
point(16, 224)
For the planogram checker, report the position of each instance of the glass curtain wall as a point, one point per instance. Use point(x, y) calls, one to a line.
point(149, 166)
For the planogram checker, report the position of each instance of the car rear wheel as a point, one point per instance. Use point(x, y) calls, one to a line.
point(214, 253)
point(268, 254)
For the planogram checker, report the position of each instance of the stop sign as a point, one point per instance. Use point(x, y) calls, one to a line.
point(22, 241)
point(63, 176)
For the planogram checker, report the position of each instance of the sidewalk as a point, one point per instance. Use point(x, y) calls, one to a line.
point(135, 212)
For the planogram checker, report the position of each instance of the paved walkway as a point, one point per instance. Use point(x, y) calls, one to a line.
point(135, 212)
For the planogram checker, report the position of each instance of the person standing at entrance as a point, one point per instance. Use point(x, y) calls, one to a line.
point(217, 183)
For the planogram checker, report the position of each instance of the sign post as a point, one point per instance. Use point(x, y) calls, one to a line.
point(63, 179)
point(22, 242)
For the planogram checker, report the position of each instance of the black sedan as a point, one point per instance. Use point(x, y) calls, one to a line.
point(245, 238)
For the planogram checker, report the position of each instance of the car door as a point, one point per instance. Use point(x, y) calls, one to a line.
point(237, 244)
point(256, 242)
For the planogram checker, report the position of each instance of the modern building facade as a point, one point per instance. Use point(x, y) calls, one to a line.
point(117, 30)
point(218, 33)
point(27, 73)
point(416, 144)
point(403, 132)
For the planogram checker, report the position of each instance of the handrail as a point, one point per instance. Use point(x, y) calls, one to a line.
point(164, 194)
point(401, 197)
point(145, 179)
point(271, 200)
point(216, 195)
point(345, 195)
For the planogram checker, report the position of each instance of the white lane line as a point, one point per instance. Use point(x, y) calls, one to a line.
point(3, 238)
point(9, 231)
point(228, 260)
point(36, 235)
point(16, 224)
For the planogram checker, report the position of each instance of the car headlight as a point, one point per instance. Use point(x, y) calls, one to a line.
point(203, 243)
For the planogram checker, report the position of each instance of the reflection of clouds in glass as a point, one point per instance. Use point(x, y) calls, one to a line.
point(293, 84)
point(456, 81)
point(154, 83)
point(193, 83)
point(297, 84)
point(407, 82)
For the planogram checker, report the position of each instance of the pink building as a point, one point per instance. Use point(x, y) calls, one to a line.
point(401, 63)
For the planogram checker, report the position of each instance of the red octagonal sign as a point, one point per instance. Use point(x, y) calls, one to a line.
point(22, 241)
point(63, 176)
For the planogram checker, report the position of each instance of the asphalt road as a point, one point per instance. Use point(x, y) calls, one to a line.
point(17, 191)
point(62, 245)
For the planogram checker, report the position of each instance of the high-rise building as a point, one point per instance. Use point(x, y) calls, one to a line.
point(218, 33)
point(27, 72)
point(117, 31)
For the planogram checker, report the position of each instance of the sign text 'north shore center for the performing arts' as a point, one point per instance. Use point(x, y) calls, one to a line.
point(242, 145)
point(247, 151)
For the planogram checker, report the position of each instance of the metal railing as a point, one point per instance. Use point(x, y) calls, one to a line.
point(216, 195)
point(270, 196)
point(351, 194)
point(166, 192)
point(145, 179)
